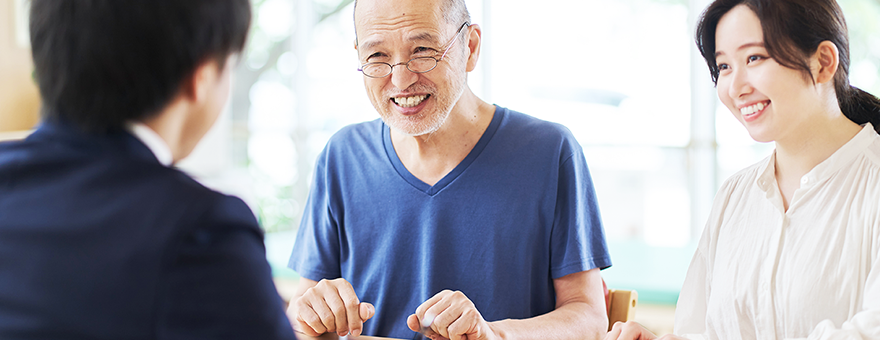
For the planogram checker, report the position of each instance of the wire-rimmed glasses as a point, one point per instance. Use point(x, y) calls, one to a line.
point(415, 65)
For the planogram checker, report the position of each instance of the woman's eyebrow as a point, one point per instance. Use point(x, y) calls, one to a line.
point(744, 46)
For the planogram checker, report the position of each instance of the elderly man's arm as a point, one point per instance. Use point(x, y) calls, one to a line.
point(579, 314)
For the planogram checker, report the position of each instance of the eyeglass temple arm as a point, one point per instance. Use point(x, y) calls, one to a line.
point(466, 24)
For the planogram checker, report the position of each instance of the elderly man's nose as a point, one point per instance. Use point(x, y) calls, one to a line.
point(402, 77)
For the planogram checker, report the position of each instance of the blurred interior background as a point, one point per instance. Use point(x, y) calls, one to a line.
point(623, 75)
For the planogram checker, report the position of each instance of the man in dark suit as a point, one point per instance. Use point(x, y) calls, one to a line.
point(100, 237)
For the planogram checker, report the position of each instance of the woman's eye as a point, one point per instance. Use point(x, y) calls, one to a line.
point(722, 67)
point(755, 58)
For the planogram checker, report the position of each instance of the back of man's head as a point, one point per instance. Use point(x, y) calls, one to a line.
point(101, 63)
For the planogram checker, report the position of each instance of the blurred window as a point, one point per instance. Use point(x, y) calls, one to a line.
point(623, 76)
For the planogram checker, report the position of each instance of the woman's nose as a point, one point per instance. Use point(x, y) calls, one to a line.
point(739, 84)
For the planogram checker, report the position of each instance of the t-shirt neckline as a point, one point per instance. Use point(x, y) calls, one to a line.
point(452, 175)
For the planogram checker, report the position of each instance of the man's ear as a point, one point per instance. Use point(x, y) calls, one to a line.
point(825, 61)
point(197, 85)
point(475, 35)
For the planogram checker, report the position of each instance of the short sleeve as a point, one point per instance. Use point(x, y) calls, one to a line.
point(578, 238)
point(315, 254)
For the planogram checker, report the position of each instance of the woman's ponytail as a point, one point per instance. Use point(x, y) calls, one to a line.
point(860, 107)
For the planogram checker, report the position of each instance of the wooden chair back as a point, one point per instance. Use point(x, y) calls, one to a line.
point(622, 305)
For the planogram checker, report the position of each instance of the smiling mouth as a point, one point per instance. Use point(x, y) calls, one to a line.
point(753, 109)
point(411, 101)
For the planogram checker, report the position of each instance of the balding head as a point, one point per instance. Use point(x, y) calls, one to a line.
point(453, 12)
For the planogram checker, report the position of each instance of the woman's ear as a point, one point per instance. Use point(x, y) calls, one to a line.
point(825, 62)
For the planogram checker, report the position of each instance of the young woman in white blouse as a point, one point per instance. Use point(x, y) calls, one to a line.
point(792, 245)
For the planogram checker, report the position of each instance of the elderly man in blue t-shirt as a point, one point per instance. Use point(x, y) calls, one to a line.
point(449, 216)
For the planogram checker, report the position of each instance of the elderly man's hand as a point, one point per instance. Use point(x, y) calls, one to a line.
point(329, 306)
point(454, 317)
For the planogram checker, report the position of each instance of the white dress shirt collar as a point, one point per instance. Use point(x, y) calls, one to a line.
point(152, 140)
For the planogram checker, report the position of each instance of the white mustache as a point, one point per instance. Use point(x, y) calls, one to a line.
point(413, 89)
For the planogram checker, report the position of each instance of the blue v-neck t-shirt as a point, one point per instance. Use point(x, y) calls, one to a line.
point(519, 211)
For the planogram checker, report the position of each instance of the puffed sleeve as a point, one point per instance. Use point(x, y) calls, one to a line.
point(690, 311)
point(866, 323)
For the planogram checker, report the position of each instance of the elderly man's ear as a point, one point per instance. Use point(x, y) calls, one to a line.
point(475, 34)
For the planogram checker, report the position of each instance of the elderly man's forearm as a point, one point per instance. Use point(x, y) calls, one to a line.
point(576, 320)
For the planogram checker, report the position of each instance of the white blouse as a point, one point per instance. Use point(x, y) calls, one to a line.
point(811, 272)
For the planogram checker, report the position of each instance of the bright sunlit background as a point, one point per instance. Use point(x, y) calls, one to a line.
point(624, 76)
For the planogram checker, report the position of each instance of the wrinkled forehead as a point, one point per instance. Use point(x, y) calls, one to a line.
point(377, 21)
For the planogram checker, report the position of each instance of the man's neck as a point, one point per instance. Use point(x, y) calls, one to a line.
point(170, 126)
point(431, 156)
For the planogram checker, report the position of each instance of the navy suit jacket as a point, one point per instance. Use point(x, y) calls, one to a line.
point(98, 240)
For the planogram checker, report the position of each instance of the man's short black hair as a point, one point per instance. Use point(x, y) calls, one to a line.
point(101, 63)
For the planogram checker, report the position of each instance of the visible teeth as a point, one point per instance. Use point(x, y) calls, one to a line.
point(410, 101)
point(752, 109)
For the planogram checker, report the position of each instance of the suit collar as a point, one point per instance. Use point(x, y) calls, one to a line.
point(152, 140)
point(116, 143)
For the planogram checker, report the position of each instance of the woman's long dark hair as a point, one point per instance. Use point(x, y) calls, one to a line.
point(793, 30)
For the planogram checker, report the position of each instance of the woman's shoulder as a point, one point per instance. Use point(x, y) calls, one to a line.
point(872, 152)
point(746, 176)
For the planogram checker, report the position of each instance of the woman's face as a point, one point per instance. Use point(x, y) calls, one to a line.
point(773, 102)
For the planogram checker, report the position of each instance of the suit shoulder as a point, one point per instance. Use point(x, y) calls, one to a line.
point(215, 202)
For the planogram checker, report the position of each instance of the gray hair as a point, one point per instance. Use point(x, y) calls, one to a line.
point(455, 12)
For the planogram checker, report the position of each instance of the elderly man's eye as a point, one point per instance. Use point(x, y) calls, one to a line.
point(376, 55)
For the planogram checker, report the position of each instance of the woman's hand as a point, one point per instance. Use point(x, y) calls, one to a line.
point(632, 330)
